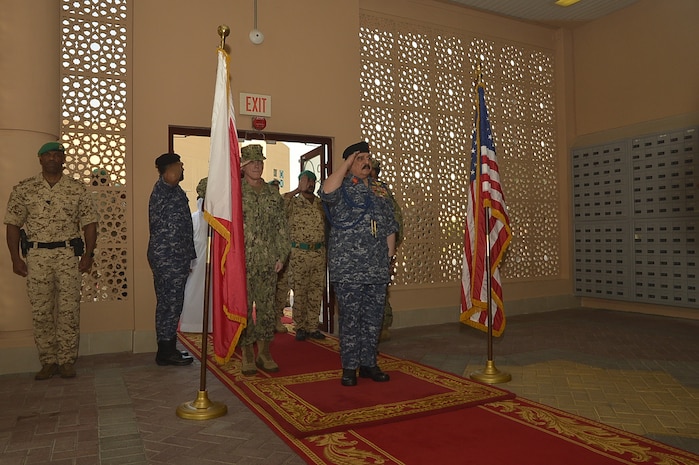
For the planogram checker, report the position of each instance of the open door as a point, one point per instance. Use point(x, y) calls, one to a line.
point(287, 154)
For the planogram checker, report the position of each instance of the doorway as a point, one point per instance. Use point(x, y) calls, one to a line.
point(287, 156)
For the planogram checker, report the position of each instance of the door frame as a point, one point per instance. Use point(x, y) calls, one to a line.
point(325, 150)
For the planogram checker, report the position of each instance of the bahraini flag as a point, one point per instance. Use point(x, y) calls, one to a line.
point(223, 210)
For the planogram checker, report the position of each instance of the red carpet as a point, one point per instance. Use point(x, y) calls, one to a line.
point(421, 417)
point(306, 397)
point(511, 432)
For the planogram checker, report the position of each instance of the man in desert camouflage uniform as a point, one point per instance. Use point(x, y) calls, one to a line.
point(360, 248)
point(52, 209)
point(398, 214)
point(306, 266)
point(170, 254)
point(266, 250)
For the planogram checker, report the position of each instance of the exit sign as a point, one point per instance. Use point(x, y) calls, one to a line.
point(255, 104)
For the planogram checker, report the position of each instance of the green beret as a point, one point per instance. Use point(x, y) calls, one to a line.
point(309, 174)
point(250, 153)
point(51, 147)
point(201, 187)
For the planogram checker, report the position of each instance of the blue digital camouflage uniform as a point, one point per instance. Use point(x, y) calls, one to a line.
point(266, 241)
point(361, 218)
point(170, 251)
point(52, 214)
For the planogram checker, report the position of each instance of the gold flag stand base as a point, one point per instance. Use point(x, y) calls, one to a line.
point(201, 408)
point(491, 375)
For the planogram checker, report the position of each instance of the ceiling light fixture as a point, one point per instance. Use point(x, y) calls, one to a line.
point(256, 36)
point(566, 2)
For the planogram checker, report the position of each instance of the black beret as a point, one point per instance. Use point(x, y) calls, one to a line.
point(358, 147)
point(166, 159)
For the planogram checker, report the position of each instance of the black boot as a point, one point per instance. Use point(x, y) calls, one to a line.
point(184, 353)
point(349, 377)
point(169, 355)
point(374, 373)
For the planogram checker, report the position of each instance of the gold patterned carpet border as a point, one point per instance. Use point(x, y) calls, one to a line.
point(502, 431)
point(306, 397)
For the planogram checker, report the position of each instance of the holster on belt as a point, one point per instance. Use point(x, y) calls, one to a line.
point(78, 246)
point(23, 242)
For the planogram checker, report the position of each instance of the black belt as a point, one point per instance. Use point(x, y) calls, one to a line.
point(50, 245)
point(305, 246)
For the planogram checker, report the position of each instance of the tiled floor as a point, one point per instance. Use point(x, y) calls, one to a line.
point(636, 372)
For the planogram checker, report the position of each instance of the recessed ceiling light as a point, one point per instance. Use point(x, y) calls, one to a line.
point(566, 2)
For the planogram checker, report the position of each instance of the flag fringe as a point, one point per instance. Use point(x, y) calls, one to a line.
point(243, 321)
point(217, 226)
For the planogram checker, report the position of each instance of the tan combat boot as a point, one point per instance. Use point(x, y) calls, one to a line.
point(248, 366)
point(385, 335)
point(280, 328)
point(264, 358)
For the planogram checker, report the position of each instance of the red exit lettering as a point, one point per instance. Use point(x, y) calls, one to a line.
point(256, 104)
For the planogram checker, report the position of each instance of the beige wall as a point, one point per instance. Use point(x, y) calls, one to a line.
point(636, 72)
point(29, 117)
point(425, 304)
point(308, 63)
point(637, 68)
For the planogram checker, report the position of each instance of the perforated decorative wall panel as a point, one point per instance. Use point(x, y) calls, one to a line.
point(417, 115)
point(636, 219)
point(93, 126)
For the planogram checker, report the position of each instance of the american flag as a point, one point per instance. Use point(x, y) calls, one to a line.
point(485, 190)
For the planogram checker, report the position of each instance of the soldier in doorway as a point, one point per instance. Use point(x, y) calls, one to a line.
point(306, 268)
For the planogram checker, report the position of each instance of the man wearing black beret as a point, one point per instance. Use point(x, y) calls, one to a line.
point(361, 245)
point(170, 253)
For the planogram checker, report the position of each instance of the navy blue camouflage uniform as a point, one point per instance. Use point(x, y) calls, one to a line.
point(170, 251)
point(361, 218)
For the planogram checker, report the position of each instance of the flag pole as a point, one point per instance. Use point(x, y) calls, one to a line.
point(490, 374)
point(202, 408)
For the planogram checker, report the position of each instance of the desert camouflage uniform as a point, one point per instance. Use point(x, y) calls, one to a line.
point(361, 217)
point(266, 241)
point(306, 269)
point(53, 214)
point(170, 252)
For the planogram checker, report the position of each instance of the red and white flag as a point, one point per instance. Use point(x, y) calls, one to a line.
point(223, 210)
point(485, 190)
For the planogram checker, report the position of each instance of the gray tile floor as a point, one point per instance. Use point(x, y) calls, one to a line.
point(636, 372)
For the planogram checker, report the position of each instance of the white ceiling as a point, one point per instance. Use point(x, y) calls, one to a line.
point(546, 11)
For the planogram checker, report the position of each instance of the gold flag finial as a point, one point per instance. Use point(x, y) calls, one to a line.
point(223, 32)
point(478, 74)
